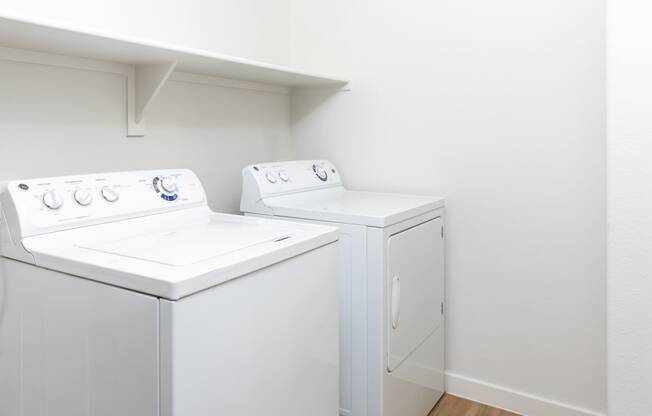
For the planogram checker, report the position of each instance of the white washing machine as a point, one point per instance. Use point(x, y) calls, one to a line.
point(391, 281)
point(123, 294)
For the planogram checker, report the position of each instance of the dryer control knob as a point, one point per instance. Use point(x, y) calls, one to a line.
point(109, 194)
point(283, 176)
point(169, 184)
point(52, 199)
point(270, 177)
point(320, 172)
point(83, 197)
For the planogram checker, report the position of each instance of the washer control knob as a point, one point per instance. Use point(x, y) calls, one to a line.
point(320, 172)
point(283, 176)
point(52, 199)
point(83, 197)
point(169, 184)
point(109, 194)
point(271, 178)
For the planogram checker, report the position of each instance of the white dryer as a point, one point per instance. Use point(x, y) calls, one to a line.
point(123, 294)
point(391, 281)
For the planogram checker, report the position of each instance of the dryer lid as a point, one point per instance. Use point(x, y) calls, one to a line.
point(340, 205)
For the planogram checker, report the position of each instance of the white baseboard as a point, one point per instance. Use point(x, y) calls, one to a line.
point(512, 400)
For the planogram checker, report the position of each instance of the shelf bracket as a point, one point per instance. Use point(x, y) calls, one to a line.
point(143, 84)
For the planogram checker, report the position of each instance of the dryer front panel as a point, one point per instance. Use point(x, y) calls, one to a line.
point(414, 287)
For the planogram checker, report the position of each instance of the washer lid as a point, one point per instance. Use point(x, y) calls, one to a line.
point(353, 207)
point(175, 254)
point(193, 243)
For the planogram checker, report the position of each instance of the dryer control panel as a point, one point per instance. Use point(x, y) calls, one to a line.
point(279, 178)
point(37, 206)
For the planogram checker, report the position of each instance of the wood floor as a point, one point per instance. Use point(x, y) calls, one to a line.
point(455, 406)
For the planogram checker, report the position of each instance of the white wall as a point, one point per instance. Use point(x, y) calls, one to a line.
point(629, 95)
point(63, 121)
point(499, 107)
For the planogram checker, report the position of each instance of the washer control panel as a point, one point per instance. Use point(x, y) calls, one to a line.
point(50, 204)
point(278, 178)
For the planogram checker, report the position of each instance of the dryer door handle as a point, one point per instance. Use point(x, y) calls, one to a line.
point(396, 301)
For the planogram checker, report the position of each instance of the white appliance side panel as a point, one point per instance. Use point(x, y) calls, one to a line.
point(353, 315)
point(74, 347)
point(353, 320)
point(344, 293)
point(415, 287)
point(376, 243)
point(265, 343)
